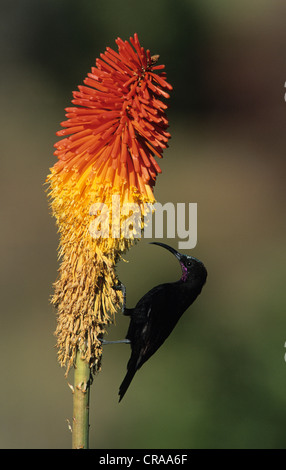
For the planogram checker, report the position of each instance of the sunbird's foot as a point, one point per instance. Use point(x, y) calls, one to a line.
point(118, 286)
point(122, 287)
point(120, 341)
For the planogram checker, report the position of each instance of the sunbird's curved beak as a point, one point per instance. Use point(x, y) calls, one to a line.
point(169, 248)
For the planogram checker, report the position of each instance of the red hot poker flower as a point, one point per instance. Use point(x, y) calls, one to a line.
point(119, 123)
point(111, 139)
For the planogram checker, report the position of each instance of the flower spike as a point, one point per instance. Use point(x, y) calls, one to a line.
point(110, 140)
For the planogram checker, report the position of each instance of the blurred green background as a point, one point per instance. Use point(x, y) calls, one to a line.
point(220, 379)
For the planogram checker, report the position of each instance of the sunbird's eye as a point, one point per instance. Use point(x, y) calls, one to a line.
point(189, 263)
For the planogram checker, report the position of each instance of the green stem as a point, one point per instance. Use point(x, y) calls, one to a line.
point(80, 430)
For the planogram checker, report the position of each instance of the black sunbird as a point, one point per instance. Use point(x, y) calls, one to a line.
point(157, 312)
